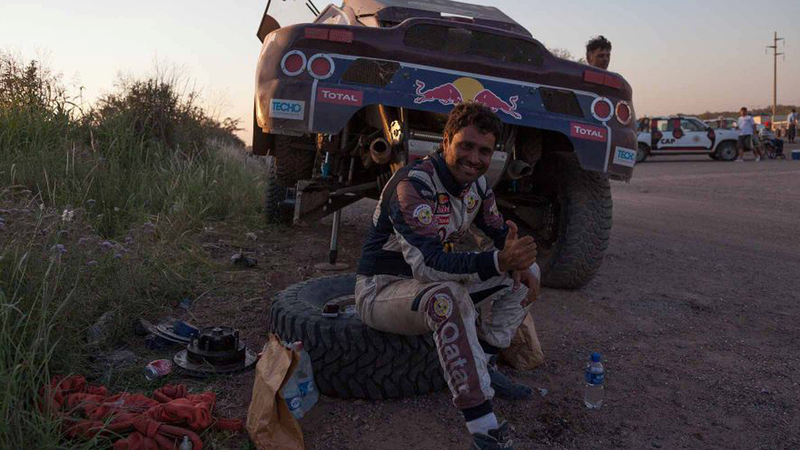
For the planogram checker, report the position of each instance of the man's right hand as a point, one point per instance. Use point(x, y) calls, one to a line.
point(518, 253)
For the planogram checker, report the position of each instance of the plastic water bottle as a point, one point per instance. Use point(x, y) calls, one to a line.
point(308, 388)
point(300, 392)
point(595, 376)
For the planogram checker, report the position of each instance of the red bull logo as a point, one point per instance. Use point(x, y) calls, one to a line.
point(466, 89)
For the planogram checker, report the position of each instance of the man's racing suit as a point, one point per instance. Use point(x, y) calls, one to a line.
point(409, 283)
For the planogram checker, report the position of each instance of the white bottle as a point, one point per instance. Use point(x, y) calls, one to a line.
point(291, 393)
point(300, 392)
point(308, 388)
point(595, 376)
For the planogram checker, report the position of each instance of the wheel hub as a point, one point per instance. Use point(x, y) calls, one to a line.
point(215, 350)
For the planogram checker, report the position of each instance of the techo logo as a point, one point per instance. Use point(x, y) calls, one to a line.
point(625, 157)
point(287, 109)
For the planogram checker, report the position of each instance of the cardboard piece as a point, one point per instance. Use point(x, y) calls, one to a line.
point(525, 351)
point(269, 423)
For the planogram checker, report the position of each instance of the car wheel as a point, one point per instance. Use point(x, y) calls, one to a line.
point(293, 160)
point(727, 151)
point(350, 359)
point(568, 212)
point(642, 153)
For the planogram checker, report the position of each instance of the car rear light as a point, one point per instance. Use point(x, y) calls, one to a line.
point(325, 34)
point(605, 79)
point(316, 33)
point(612, 81)
point(293, 63)
point(320, 66)
point(345, 36)
point(602, 109)
point(591, 76)
point(623, 112)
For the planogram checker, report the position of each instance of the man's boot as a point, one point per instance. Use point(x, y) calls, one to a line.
point(503, 386)
point(497, 439)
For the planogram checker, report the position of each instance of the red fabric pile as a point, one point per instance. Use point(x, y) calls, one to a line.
point(157, 423)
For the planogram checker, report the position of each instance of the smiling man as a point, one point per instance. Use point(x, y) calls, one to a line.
point(411, 282)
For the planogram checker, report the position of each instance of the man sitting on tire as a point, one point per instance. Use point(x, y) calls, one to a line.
point(409, 282)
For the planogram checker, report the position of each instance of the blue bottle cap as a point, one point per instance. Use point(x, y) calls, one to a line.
point(595, 357)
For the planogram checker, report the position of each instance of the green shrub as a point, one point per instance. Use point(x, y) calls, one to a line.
point(144, 165)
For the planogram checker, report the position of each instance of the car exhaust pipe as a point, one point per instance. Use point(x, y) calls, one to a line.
point(518, 169)
point(380, 151)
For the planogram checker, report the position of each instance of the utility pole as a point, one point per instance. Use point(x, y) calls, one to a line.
point(775, 55)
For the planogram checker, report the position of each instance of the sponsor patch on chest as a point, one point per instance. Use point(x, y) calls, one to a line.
point(443, 204)
point(471, 202)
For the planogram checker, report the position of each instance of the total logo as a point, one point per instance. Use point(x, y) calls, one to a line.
point(286, 109)
point(466, 89)
point(625, 156)
point(588, 132)
point(340, 96)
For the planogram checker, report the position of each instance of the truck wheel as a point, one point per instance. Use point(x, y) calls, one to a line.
point(569, 215)
point(350, 359)
point(293, 160)
point(642, 153)
point(727, 151)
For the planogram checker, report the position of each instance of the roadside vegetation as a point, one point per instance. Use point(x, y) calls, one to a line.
point(98, 210)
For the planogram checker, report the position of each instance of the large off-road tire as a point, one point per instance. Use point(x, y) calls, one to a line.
point(642, 152)
point(292, 161)
point(573, 236)
point(727, 151)
point(350, 359)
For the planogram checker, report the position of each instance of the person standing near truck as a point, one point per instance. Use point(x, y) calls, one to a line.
point(410, 281)
point(598, 52)
point(792, 131)
point(746, 133)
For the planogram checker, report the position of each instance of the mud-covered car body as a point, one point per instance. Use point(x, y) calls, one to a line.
point(342, 103)
point(404, 54)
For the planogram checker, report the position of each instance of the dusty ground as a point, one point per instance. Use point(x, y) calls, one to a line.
point(695, 311)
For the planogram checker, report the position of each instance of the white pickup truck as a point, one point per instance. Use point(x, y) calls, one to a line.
point(681, 135)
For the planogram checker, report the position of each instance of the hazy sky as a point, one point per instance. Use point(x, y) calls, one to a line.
point(679, 55)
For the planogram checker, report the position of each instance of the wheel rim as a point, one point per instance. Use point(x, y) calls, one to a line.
point(641, 153)
point(728, 152)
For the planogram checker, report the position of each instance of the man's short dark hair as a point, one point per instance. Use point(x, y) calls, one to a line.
point(744, 108)
point(472, 113)
point(598, 42)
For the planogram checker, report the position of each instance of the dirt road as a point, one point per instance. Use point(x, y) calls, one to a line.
point(695, 312)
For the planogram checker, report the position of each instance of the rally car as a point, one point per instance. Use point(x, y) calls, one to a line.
point(344, 101)
point(681, 135)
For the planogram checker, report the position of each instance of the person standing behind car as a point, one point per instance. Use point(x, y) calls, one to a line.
point(792, 132)
point(746, 132)
point(598, 52)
